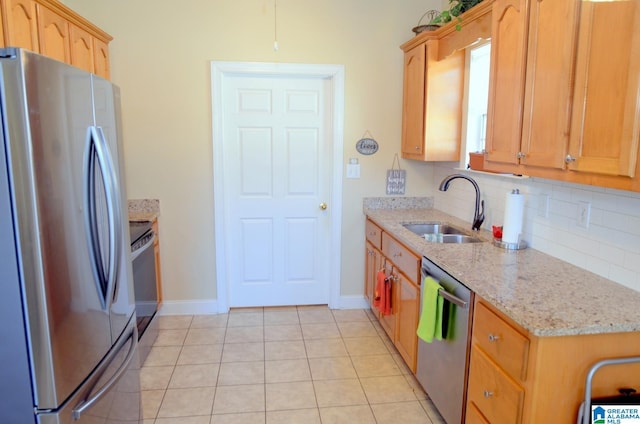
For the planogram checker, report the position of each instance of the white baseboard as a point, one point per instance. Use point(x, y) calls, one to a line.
point(210, 306)
point(352, 302)
point(189, 307)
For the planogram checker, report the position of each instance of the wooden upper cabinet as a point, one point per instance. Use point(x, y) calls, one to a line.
point(432, 105)
point(413, 102)
point(101, 58)
point(81, 48)
point(606, 118)
point(53, 35)
point(20, 24)
point(506, 80)
point(531, 82)
point(549, 82)
point(50, 28)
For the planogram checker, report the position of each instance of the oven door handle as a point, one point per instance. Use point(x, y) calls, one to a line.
point(138, 252)
point(453, 299)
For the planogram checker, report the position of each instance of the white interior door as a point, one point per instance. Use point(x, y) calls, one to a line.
point(277, 162)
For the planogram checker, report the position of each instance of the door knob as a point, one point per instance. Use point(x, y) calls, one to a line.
point(323, 206)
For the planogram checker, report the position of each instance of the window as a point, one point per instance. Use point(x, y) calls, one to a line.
point(478, 93)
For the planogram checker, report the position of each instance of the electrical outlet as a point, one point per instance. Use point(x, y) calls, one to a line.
point(584, 214)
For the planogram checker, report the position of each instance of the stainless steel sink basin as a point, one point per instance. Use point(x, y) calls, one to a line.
point(432, 228)
point(458, 238)
point(440, 232)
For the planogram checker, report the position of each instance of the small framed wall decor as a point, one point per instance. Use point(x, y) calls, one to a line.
point(367, 145)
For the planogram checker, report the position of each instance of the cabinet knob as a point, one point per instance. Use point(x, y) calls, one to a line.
point(568, 159)
point(417, 148)
point(520, 155)
point(397, 255)
point(487, 394)
point(493, 338)
point(323, 206)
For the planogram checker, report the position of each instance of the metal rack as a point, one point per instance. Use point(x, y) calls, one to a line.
point(584, 414)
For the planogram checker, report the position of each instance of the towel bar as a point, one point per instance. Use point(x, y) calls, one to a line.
point(453, 299)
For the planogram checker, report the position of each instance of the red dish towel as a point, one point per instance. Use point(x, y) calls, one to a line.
point(386, 304)
point(379, 292)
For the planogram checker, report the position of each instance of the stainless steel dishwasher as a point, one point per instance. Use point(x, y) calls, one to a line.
point(443, 364)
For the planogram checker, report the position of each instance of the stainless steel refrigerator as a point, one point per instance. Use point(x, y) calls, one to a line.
point(68, 339)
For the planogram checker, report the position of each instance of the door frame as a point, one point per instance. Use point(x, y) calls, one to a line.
point(335, 76)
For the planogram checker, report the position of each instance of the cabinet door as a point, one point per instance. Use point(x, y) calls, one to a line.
point(371, 260)
point(81, 48)
point(2, 13)
point(506, 80)
point(388, 322)
point(549, 82)
point(101, 58)
point(21, 24)
point(408, 310)
point(443, 110)
point(156, 252)
point(606, 119)
point(53, 35)
point(413, 102)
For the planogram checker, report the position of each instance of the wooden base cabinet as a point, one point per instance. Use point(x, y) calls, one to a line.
point(156, 251)
point(402, 268)
point(50, 28)
point(516, 377)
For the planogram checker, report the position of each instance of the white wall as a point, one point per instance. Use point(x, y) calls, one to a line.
point(610, 246)
point(160, 58)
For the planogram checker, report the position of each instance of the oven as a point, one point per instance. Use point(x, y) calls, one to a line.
point(144, 273)
point(442, 364)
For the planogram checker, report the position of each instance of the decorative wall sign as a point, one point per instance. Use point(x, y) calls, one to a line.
point(367, 145)
point(396, 178)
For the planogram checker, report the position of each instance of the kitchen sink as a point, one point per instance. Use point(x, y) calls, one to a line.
point(432, 228)
point(440, 232)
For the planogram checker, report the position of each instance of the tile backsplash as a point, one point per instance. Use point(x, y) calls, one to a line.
point(608, 246)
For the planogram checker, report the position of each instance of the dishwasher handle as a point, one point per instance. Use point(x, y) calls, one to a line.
point(453, 299)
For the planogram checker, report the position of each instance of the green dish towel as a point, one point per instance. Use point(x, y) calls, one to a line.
point(430, 325)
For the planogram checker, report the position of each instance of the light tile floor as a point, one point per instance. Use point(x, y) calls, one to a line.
point(299, 365)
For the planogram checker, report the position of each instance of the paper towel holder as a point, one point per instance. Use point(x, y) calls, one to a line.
point(521, 244)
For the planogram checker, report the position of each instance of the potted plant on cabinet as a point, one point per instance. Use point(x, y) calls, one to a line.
point(456, 8)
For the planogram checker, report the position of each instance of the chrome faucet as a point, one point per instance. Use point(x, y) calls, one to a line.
point(478, 216)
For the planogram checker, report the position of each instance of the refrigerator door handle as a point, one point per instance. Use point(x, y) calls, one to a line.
point(90, 217)
point(96, 148)
point(85, 403)
point(115, 208)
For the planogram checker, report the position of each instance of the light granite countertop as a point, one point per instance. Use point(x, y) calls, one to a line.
point(545, 295)
point(143, 209)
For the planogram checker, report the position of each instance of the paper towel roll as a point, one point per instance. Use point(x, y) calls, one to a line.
point(513, 215)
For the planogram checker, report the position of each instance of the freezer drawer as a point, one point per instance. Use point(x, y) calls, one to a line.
point(111, 394)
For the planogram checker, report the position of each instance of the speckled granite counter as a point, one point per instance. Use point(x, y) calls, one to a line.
point(143, 209)
point(545, 295)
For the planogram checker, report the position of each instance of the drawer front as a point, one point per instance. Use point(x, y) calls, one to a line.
point(373, 234)
point(402, 257)
point(504, 344)
point(498, 397)
point(474, 416)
